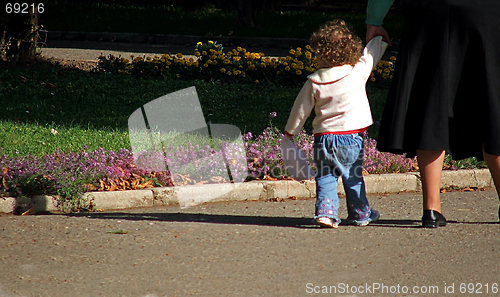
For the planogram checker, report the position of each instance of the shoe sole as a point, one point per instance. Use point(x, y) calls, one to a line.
point(327, 226)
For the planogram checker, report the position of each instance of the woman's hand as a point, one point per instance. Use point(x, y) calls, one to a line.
point(373, 31)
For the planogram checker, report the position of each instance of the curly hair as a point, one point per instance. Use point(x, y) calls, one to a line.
point(335, 44)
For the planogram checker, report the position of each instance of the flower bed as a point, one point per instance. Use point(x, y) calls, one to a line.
point(68, 175)
point(236, 66)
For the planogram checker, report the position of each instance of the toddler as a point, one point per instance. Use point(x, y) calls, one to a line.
point(337, 93)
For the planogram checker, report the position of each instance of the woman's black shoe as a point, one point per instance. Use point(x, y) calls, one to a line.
point(433, 219)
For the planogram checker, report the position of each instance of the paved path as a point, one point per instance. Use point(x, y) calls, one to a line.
point(90, 50)
point(253, 248)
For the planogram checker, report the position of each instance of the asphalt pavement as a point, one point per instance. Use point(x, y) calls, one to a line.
point(255, 248)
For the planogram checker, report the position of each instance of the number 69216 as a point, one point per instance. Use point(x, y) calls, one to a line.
point(24, 8)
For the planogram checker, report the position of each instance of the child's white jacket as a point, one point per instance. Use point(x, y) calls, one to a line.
point(338, 95)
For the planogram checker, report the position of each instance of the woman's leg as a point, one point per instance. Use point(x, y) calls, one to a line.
point(431, 166)
point(493, 162)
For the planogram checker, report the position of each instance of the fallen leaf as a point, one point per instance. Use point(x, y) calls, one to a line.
point(30, 211)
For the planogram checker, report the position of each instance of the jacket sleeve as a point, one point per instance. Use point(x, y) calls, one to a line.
point(372, 54)
point(376, 11)
point(301, 110)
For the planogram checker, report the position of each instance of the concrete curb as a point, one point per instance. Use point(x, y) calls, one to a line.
point(175, 39)
point(255, 190)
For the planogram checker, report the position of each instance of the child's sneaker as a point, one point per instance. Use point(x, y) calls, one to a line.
point(374, 216)
point(326, 222)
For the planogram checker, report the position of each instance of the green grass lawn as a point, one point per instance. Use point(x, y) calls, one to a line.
point(53, 107)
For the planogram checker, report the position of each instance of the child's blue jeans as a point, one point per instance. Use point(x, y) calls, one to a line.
point(340, 155)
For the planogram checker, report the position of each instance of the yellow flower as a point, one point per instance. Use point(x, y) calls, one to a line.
point(178, 75)
point(257, 56)
point(199, 43)
point(251, 67)
point(373, 78)
point(204, 53)
point(298, 72)
point(223, 70)
point(287, 68)
point(292, 52)
point(211, 42)
point(179, 55)
point(236, 59)
point(256, 81)
point(392, 58)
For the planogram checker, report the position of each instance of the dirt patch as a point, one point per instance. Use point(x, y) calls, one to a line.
point(41, 62)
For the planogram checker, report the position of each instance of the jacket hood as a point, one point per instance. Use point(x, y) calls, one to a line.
point(329, 75)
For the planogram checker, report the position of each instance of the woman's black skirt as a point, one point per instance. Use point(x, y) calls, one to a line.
point(445, 94)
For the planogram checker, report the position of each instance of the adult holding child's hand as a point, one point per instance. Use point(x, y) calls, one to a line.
point(445, 95)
